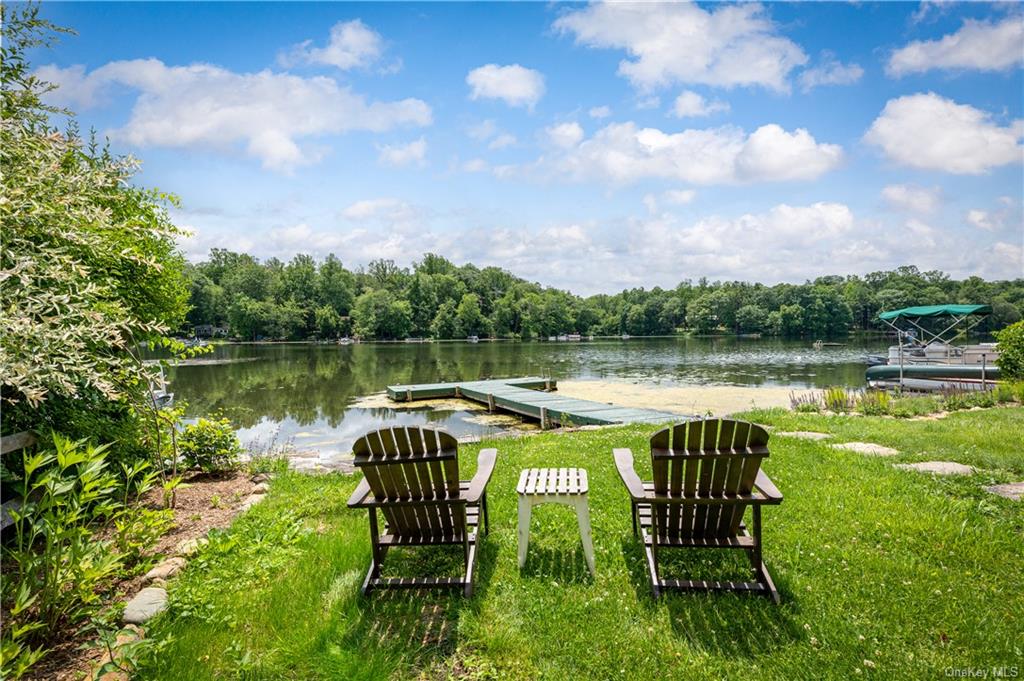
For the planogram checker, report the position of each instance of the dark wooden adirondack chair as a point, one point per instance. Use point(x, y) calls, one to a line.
point(706, 473)
point(411, 475)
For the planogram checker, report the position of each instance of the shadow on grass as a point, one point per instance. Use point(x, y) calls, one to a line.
point(729, 624)
point(419, 626)
point(563, 565)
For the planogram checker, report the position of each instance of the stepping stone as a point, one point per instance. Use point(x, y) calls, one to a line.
point(149, 602)
point(1011, 490)
point(867, 448)
point(166, 569)
point(804, 435)
point(937, 467)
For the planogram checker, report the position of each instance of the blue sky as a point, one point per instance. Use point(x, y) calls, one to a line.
point(590, 147)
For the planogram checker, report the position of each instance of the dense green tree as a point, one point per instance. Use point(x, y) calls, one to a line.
point(752, 319)
point(469, 320)
point(444, 325)
point(335, 286)
point(379, 314)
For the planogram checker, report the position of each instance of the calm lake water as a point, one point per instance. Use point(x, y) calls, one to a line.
point(305, 393)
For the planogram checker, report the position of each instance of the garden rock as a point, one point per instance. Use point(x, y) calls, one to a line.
point(804, 435)
point(250, 501)
point(937, 467)
point(149, 602)
point(1011, 490)
point(260, 477)
point(190, 546)
point(261, 488)
point(868, 448)
point(166, 569)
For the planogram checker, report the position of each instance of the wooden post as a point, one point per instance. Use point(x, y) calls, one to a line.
point(983, 386)
point(543, 418)
point(458, 393)
point(408, 394)
point(490, 402)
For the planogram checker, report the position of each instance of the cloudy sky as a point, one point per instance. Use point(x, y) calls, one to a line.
point(590, 147)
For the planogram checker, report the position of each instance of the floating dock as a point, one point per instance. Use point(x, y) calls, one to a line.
point(532, 397)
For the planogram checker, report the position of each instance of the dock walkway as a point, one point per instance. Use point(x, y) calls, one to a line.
point(532, 397)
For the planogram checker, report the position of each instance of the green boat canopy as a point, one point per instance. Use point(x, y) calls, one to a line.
point(936, 311)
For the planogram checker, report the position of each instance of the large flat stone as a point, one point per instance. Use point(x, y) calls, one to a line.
point(149, 602)
point(166, 569)
point(868, 448)
point(938, 467)
point(1010, 490)
point(803, 435)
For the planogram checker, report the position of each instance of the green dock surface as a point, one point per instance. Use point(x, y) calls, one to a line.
point(532, 397)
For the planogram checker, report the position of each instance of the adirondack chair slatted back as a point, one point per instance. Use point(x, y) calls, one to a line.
point(413, 463)
point(705, 458)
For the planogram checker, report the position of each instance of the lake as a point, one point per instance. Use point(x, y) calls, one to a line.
point(309, 395)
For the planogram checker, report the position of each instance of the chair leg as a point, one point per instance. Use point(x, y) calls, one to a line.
point(487, 520)
point(757, 561)
point(524, 529)
point(377, 555)
point(583, 519)
point(634, 511)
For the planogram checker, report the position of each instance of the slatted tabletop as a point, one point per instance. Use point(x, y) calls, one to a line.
point(552, 481)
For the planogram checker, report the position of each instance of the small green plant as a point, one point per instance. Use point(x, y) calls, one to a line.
point(137, 529)
point(906, 407)
point(1011, 351)
point(55, 565)
point(839, 400)
point(272, 463)
point(215, 501)
point(210, 445)
point(955, 399)
point(874, 403)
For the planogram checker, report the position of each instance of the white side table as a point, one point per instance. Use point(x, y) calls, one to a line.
point(556, 485)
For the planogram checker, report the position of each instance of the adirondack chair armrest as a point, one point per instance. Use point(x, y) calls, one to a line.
point(766, 487)
point(359, 495)
point(484, 468)
point(624, 464)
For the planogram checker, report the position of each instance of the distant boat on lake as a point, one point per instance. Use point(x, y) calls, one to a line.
point(473, 339)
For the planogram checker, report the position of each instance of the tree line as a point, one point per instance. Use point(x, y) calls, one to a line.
point(306, 299)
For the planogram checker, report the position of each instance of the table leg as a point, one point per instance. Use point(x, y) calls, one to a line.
point(583, 517)
point(524, 528)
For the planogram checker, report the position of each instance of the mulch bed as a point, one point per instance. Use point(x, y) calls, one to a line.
point(203, 502)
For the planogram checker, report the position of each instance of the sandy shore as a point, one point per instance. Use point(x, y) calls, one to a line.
point(691, 399)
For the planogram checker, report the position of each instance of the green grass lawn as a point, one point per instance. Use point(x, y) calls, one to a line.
point(882, 572)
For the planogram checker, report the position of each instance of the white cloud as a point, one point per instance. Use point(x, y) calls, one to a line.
point(600, 112)
point(501, 141)
point(622, 153)
point(397, 155)
point(475, 165)
point(270, 115)
point(388, 209)
point(514, 84)
point(907, 197)
point(565, 135)
point(683, 43)
point(689, 104)
point(977, 46)
point(930, 132)
point(488, 131)
point(352, 44)
point(830, 71)
point(652, 102)
point(981, 219)
point(679, 197)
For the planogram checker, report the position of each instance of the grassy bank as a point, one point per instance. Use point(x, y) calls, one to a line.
point(883, 572)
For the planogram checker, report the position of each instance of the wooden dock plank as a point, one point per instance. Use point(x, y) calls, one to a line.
point(525, 397)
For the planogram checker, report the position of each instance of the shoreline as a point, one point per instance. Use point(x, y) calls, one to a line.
point(716, 400)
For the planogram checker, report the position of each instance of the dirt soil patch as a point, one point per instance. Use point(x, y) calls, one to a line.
point(203, 502)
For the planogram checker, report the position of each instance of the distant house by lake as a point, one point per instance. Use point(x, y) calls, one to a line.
point(209, 331)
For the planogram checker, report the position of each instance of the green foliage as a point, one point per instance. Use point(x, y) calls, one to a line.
point(89, 261)
point(379, 314)
point(839, 400)
point(874, 403)
point(210, 445)
point(1011, 351)
point(56, 565)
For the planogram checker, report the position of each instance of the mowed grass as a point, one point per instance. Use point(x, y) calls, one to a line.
point(882, 573)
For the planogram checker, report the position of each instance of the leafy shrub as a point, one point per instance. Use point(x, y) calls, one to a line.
point(55, 565)
point(1011, 351)
point(955, 399)
point(210, 445)
point(1003, 393)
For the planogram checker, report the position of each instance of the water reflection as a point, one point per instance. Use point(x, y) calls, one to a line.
point(304, 393)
